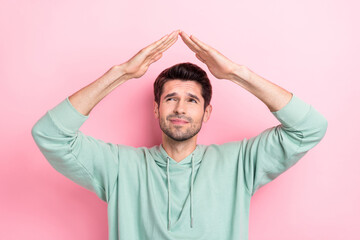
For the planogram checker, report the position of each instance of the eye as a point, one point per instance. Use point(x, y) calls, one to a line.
point(193, 100)
point(169, 99)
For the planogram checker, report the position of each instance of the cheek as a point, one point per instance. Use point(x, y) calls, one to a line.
point(166, 110)
point(163, 114)
point(196, 111)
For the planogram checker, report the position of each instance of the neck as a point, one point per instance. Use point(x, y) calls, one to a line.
point(179, 150)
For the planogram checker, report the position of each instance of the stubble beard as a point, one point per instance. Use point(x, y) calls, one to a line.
point(178, 133)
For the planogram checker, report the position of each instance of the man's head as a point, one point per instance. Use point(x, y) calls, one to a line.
point(183, 92)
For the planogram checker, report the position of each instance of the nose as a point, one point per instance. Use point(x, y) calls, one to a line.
point(179, 108)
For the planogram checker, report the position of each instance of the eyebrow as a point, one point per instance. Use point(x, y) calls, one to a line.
point(175, 94)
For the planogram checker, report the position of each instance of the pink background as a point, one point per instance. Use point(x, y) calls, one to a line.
point(51, 49)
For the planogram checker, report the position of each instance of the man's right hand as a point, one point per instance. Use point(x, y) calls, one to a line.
point(89, 96)
point(138, 64)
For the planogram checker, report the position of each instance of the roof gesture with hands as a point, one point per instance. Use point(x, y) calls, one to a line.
point(219, 65)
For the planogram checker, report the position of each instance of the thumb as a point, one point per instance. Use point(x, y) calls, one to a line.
point(198, 57)
point(157, 57)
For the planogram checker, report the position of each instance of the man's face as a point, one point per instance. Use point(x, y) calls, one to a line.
point(181, 110)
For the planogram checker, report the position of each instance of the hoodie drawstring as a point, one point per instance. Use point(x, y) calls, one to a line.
point(191, 192)
point(168, 178)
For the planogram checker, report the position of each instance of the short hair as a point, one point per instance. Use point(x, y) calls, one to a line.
point(185, 72)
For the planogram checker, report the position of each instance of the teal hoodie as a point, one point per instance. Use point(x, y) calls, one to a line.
point(151, 196)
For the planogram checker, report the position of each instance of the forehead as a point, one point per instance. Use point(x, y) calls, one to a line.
point(182, 87)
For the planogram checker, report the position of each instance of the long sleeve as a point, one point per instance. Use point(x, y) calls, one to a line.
point(87, 161)
point(277, 149)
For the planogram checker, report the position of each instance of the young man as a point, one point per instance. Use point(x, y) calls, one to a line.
point(178, 189)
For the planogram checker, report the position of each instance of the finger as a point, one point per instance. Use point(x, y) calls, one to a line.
point(167, 45)
point(198, 57)
point(155, 58)
point(173, 36)
point(189, 42)
point(157, 53)
point(157, 43)
point(202, 45)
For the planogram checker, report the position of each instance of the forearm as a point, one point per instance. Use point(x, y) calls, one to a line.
point(273, 96)
point(89, 96)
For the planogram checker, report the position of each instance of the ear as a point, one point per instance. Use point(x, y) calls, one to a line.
point(207, 113)
point(156, 110)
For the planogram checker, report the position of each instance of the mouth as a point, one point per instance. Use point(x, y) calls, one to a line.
point(178, 121)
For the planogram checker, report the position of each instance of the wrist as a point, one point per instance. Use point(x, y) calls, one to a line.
point(114, 75)
point(118, 71)
point(240, 74)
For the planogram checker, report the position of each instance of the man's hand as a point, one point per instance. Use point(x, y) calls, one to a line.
point(219, 65)
point(89, 96)
point(274, 96)
point(139, 63)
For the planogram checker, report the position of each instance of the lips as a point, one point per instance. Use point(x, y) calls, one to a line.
point(178, 121)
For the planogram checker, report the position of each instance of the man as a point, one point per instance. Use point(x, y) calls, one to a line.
point(178, 189)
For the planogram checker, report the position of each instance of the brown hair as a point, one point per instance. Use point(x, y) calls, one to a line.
point(186, 72)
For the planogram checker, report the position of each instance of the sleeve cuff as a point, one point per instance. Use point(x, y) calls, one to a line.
point(67, 116)
point(293, 112)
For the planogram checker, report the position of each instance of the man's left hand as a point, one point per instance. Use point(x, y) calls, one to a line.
point(219, 65)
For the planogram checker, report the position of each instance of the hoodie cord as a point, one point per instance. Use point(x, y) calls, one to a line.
point(169, 204)
point(191, 192)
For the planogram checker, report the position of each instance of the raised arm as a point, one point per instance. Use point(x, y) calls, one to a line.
point(90, 162)
point(221, 67)
point(264, 157)
point(88, 97)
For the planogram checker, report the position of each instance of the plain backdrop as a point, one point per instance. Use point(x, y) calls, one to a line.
point(51, 49)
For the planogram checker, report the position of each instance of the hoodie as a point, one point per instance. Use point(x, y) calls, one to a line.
point(151, 196)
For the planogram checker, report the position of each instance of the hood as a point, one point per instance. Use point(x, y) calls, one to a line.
point(193, 161)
